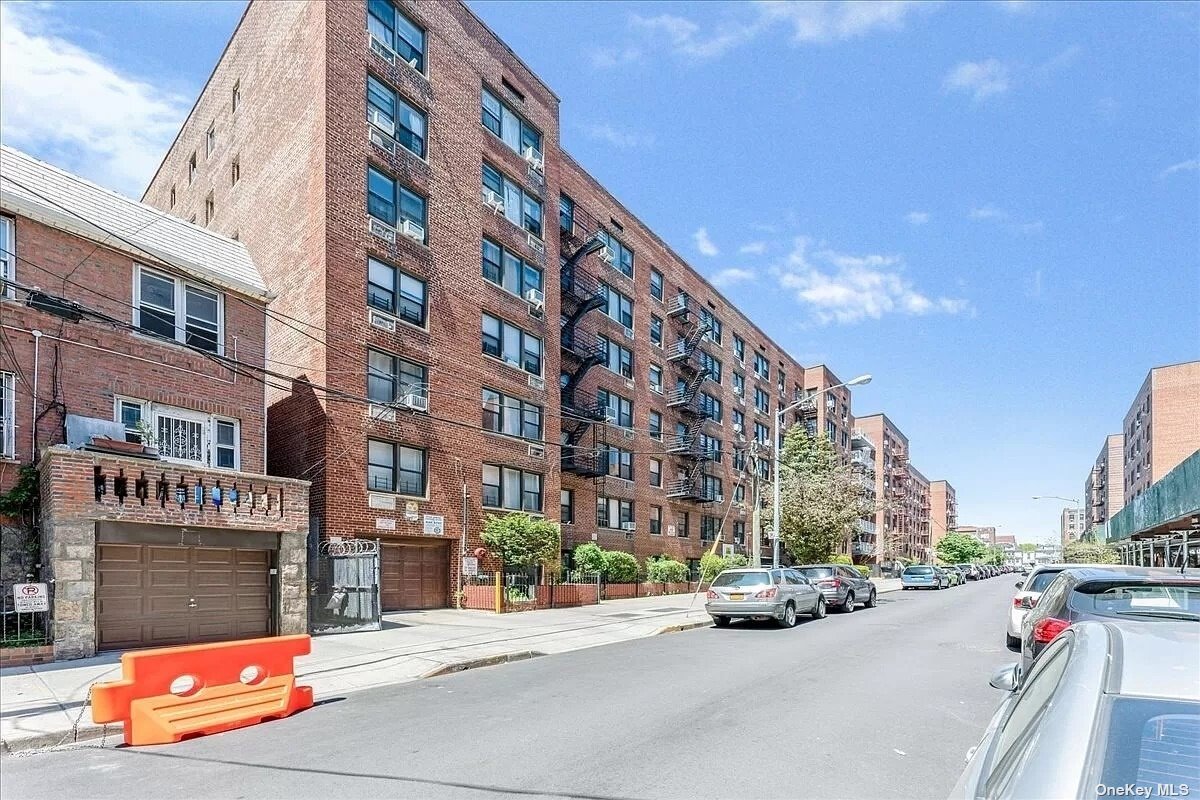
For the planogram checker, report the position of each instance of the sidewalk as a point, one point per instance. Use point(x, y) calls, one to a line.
point(46, 705)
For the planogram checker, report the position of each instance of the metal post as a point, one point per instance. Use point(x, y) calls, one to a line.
point(499, 598)
point(756, 514)
point(775, 481)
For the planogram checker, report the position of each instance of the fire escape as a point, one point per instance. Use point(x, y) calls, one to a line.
point(684, 400)
point(581, 350)
point(898, 495)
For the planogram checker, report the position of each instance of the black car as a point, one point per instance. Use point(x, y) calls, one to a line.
point(1108, 592)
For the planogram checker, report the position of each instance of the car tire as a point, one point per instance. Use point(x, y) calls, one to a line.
point(1012, 642)
point(872, 600)
point(789, 616)
point(819, 610)
point(721, 622)
point(848, 606)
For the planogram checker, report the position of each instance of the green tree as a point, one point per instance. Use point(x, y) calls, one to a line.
point(665, 570)
point(960, 548)
point(620, 567)
point(821, 498)
point(521, 540)
point(994, 556)
point(1089, 553)
point(1028, 547)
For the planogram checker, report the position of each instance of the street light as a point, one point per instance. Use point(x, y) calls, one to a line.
point(1055, 497)
point(859, 381)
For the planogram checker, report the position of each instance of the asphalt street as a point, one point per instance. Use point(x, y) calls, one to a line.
point(881, 703)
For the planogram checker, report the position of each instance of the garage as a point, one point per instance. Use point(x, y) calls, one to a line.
point(152, 594)
point(414, 574)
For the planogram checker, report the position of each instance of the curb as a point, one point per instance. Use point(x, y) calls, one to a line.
point(476, 663)
point(52, 740)
point(686, 626)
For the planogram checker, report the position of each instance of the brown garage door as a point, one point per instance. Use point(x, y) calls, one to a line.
point(154, 595)
point(414, 575)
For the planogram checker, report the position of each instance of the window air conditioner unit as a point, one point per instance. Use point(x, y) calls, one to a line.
point(628, 333)
point(630, 385)
point(413, 231)
point(537, 450)
point(627, 433)
point(382, 413)
point(382, 142)
point(629, 526)
point(383, 51)
point(535, 298)
point(536, 244)
point(383, 322)
point(493, 201)
point(737, 427)
point(606, 255)
point(381, 230)
point(718, 498)
point(417, 402)
point(381, 122)
point(537, 383)
point(535, 159)
point(412, 62)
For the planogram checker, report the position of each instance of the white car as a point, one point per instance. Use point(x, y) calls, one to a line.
point(1028, 591)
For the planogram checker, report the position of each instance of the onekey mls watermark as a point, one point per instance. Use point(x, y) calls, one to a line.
point(1144, 790)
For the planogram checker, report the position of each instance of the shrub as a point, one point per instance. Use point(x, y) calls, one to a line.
point(619, 567)
point(521, 540)
point(588, 557)
point(711, 565)
point(737, 560)
point(842, 560)
point(666, 570)
point(863, 570)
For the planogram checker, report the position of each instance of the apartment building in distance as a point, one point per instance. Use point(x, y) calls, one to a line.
point(903, 519)
point(473, 324)
point(943, 510)
point(1104, 489)
point(984, 533)
point(157, 525)
point(1072, 523)
point(1162, 426)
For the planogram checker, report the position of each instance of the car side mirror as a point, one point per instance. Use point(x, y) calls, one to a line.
point(1006, 678)
point(1020, 584)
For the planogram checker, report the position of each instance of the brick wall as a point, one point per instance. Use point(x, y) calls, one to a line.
point(1175, 412)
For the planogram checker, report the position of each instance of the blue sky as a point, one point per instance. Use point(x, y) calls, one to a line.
point(994, 208)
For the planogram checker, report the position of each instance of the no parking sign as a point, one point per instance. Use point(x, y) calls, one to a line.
point(30, 597)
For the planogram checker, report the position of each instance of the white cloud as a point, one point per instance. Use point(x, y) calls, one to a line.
point(620, 138)
point(753, 248)
point(684, 38)
point(1013, 6)
point(917, 217)
point(66, 105)
point(1191, 165)
point(844, 288)
point(608, 57)
point(990, 213)
point(834, 21)
point(987, 212)
point(732, 275)
point(704, 244)
point(981, 79)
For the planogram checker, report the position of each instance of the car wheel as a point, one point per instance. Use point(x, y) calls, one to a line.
point(872, 600)
point(789, 616)
point(1012, 642)
point(721, 622)
point(848, 606)
point(819, 609)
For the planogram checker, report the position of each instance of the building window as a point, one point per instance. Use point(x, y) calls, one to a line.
point(739, 493)
point(739, 348)
point(618, 306)
point(393, 467)
point(8, 255)
point(739, 533)
point(656, 331)
point(710, 406)
point(622, 255)
point(762, 433)
point(682, 529)
point(513, 489)
point(396, 292)
point(391, 202)
point(739, 384)
point(508, 271)
point(656, 284)
point(714, 325)
point(566, 214)
point(237, 95)
point(655, 472)
point(391, 379)
point(739, 420)
point(762, 400)
point(710, 445)
point(8, 415)
point(656, 378)
point(739, 460)
point(656, 425)
point(711, 486)
point(235, 170)
point(176, 309)
point(620, 463)
point(612, 512)
point(398, 32)
point(520, 208)
point(172, 195)
point(181, 434)
point(511, 416)
point(210, 140)
point(506, 341)
point(708, 528)
point(831, 430)
point(510, 127)
point(711, 364)
point(192, 168)
point(656, 520)
point(619, 409)
point(617, 358)
point(392, 114)
point(782, 380)
point(566, 506)
point(762, 367)
point(210, 208)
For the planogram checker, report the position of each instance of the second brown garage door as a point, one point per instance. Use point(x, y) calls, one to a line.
point(414, 575)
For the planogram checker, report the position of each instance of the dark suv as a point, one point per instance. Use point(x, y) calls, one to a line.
point(843, 585)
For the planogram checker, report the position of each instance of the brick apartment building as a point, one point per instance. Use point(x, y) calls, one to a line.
point(943, 510)
point(117, 322)
point(1104, 489)
point(984, 533)
point(1071, 525)
point(904, 521)
point(1162, 426)
point(440, 262)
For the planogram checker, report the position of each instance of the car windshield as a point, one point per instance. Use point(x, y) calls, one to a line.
point(1039, 582)
point(1173, 600)
point(1152, 743)
point(918, 570)
point(817, 572)
point(742, 579)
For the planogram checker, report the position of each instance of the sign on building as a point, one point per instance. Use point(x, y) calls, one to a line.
point(30, 597)
point(435, 524)
point(470, 565)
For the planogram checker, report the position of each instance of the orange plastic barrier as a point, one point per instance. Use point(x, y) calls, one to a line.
point(169, 693)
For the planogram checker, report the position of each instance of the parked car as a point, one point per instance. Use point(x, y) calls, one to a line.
point(778, 594)
point(950, 575)
point(971, 571)
point(843, 586)
point(1028, 591)
point(1108, 705)
point(1108, 592)
point(955, 575)
point(923, 576)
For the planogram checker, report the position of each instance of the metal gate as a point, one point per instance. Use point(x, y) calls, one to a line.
point(343, 592)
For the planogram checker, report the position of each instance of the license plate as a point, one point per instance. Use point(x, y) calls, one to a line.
point(737, 597)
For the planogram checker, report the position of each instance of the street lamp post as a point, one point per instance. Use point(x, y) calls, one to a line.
point(1056, 497)
point(859, 381)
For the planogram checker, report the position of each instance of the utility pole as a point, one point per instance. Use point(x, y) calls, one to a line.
point(756, 516)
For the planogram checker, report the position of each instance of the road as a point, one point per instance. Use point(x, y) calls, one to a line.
point(880, 703)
